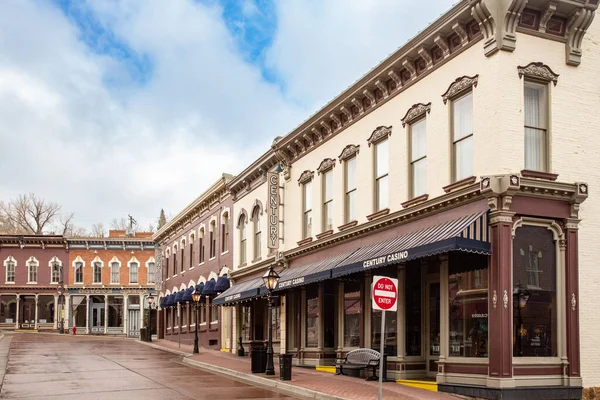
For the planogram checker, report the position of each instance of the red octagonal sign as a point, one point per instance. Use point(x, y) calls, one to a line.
point(385, 293)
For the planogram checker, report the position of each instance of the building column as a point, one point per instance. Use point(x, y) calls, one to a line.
point(87, 313)
point(56, 312)
point(367, 308)
point(18, 311)
point(141, 324)
point(105, 313)
point(444, 317)
point(35, 326)
point(125, 314)
point(500, 304)
point(67, 308)
point(572, 301)
point(401, 314)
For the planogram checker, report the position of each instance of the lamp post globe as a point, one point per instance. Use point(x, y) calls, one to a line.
point(196, 298)
point(270, 279)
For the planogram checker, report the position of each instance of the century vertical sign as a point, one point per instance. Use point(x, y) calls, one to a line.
point(273, 209)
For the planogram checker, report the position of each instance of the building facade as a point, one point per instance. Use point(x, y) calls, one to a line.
point(33, 268)
point(457, 167)
point(195, 251)
point(109, 281)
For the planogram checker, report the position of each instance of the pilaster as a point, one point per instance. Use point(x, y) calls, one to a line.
point(18, 311)
point(444, 317)
point(87, 313)
point(340, 319)
point(56, 312)
point(36, 312)
point(141, 321)
point(105, 313)
point(572, 297)
point(125, 314)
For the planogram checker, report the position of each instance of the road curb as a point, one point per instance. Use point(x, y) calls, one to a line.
point(266, 383)
point(155, 346)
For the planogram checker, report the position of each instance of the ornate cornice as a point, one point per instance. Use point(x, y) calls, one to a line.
point(459, 85)
point(416, 111)
point(538, 70)
point(380, 133)
point(305, 177)
point(326, 165)
point(578, 23)
point(349, 151)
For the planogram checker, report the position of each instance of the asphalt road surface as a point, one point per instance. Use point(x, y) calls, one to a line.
point(48, 366)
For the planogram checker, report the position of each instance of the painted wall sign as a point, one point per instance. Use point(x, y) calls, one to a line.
point(273, 210)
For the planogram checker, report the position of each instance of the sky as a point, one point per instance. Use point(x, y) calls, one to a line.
point(112, 108)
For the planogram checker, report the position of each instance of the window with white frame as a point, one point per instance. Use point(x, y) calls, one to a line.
point(133, 272)
point(242, 227)
point(307, 210)
point(10, 271)
point(327, 192)
point(115, 275)
point(183, 256)
point(55, 276)
point(78, 278)
point(201, 246)
point(381, 175)
point(536, 126)
point(97, 267)
point(32, 269)
point(257, 232)
point(462, 137)
point(350, 188)
point(418, 158)
point(175, 261)
point(151, 271)
point(192, 252)
point(213, 239)
point(224, 233)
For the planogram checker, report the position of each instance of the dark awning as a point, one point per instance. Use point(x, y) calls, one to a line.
point(241, 291)
point(222, 284)
point(187, 295)
point(169, 300)
point(209, 288)
point(468, 234)
point(179, 297)
point(200, 288)
point(162, 301)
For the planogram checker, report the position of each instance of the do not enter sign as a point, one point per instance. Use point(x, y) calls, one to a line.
point(385, 293)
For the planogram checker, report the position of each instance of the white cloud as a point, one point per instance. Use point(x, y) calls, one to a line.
point(77, 130)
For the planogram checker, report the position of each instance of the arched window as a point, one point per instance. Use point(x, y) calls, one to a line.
point(151, 266)
point(183, 255)
point(201, 245)
point(10, 265)
point(56, 268)
point(78, 272)
point(225, 233)
point(133, 271)
point(257, 231)
point(192, 253)
point(213, 239)
point(97, 266)
point(32, 266)
point(115, 268)
point(242, 227)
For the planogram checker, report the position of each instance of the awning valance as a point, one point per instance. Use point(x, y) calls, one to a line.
point(179, 297)
point(222, 284)
point(187, 295)
point(241, 291)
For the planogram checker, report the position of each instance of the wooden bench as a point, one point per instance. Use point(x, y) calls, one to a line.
point(357, 360)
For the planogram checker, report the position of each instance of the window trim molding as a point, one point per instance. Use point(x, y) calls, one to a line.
point(349, 151)
point(415, 113)
point(134, 260)
point(306, 177)
point(459, 87)
point(78, 259)
point(56, 260)
point(326, 165)
point(94, 261)
point(32, 261)
point(112, 261)
point(539, 71)
point(379, 134)
point(10, 259)
point(150, 260)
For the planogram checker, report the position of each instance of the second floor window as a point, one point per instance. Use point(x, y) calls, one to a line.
point(201, 244)
point(462, 137)
point(418, 159)
point(350, 188)
point(242, 239)
point(97, 272)
point(213, 240)
point(327, 200)
point(224, 234)
point(78, 272)
point(133, 272)
point(33, 272)
point(182, 258)
point(257, 232)
point(536, 126)
point(10, 272)
point(381, 175)
point(115, 272)
point(192, 254)
point(175, 262)
point(307, 210)
point(151, 271)
point(55, 272)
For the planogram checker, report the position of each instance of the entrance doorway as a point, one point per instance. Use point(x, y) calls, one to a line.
point(432, 325)
point(133, 322)
point(97, 316)
point(27, 314)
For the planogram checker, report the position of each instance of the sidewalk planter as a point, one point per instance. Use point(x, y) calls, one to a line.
point(258, 357)
point(285, 367)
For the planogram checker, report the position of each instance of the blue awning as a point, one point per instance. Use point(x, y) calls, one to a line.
point(162, 301)
point(200, 288)
point(187, 295)
point(240, 292)
point(222, 284)
point(209, 288)
point(168, 301)
point(179, 297)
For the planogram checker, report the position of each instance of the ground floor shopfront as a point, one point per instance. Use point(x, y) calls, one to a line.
point(39, 310)
point(487, 301)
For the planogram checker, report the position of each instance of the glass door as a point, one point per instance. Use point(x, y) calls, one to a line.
point(27, 316)
point(97, 318)
point(134, 323)
point(433, 326)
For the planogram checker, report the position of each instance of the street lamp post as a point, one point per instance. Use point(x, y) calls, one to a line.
point(270, 279)
point(196, 298)
point(150, 302)
point(61, 298)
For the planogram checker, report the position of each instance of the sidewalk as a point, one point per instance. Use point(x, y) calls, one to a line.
point(306, 382)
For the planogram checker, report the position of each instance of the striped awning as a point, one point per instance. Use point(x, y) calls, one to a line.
point(240, 292)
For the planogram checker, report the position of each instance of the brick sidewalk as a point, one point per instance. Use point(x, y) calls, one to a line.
point(330, 385)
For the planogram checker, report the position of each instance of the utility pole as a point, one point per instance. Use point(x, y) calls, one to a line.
point(131, 222)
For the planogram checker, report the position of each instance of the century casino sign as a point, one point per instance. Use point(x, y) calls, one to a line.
point(390, 258)
point(273, 210)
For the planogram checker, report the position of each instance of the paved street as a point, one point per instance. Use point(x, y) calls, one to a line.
point(51, 367)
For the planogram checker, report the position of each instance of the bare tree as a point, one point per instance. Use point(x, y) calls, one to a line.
point(120, 224)
point(98, 230)
point(29, 214)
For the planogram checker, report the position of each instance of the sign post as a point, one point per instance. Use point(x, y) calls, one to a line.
point(385, 298)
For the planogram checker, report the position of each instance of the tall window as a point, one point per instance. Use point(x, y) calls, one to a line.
point(536, 126)
point(33, 272)
point(257, 232)
point(10, 272)
point(183, 257)
point(175, 261)
point(213, 239)
point(381, 175)
point(133, 272)
point(201, 245)
point(114, 272)
point(535, 325)
point(225, 233)
point(327, 200)
point(307, 210)
point(242, 225)
point(55, 272)
point(151, 271)
point(78, 272)
point(350, 200)
point(462, 139)
point(418, 158)
point(192, 254)
point(312, 316)
point(352, 314)
point(97, 272)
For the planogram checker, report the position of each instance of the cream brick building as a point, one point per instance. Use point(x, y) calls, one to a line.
point(496, 107)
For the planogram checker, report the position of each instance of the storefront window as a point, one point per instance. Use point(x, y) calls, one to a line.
point(275, 321)
point(46, 309)
point(468, 309)
point(312, 316)
point(8, 308)
point(115, 311)
point(293, 319)
point(413, 310)
point(534, 293)
point(329, 314)
point(246, 327)
point(352, 314)
point(389, 347)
